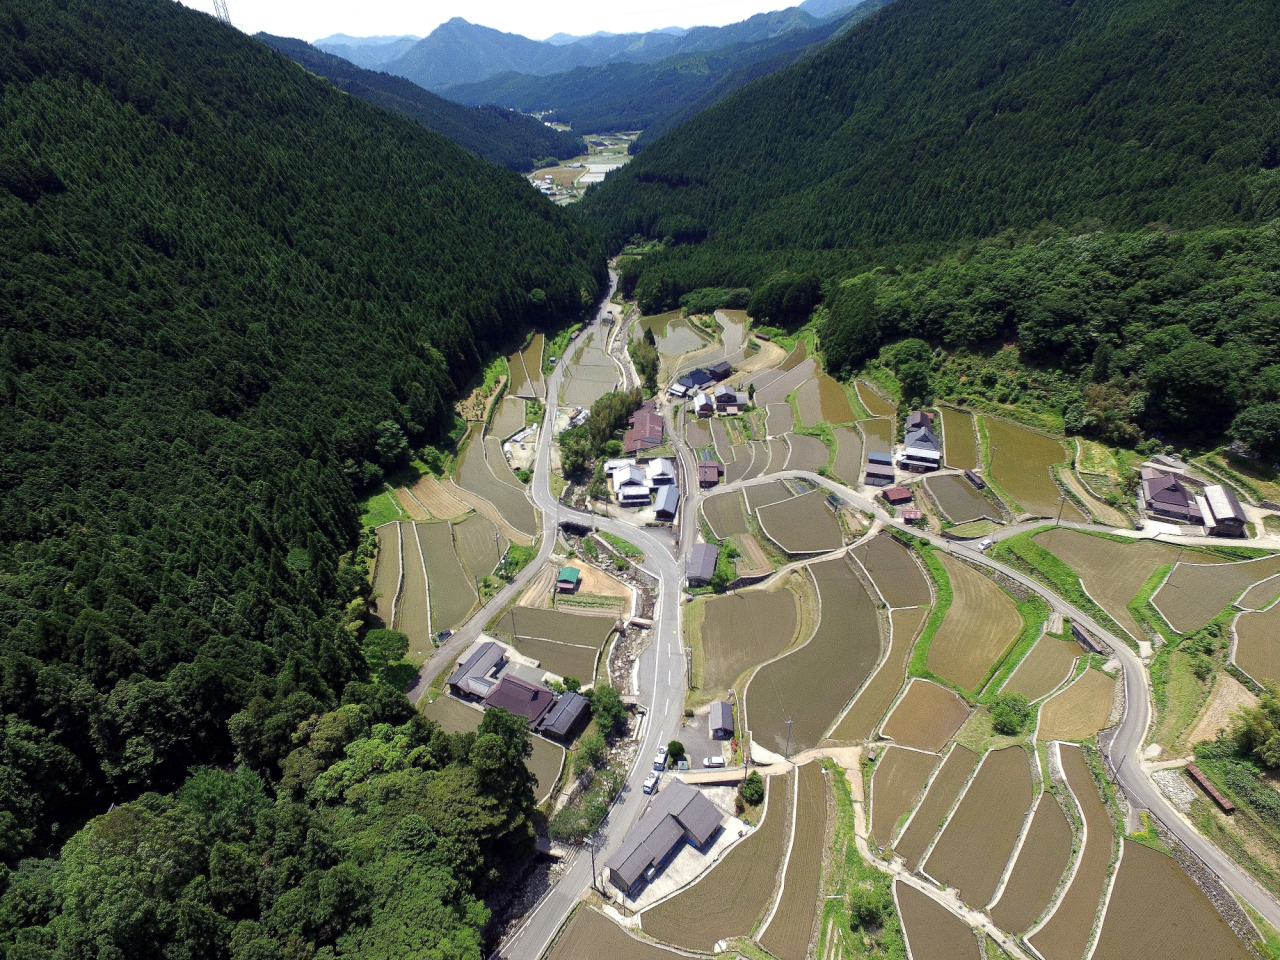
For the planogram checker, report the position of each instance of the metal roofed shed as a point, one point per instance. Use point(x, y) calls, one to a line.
point(1223, 515)
point(720, 721)
point(666, 503)
point(567, 712)
point(474, 676)
point(521, 697)
point(896, 495)
point(567, 579)
point(680, 813)
point(702, 564)
point(720, 370)
point(708, 473)
point(880, 456)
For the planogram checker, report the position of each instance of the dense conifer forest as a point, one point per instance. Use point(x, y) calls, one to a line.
point(230, 298)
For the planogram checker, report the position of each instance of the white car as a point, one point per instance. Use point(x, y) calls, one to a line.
point(713, 761)
point(660, 760)
point(985, 545)
point(651, 782)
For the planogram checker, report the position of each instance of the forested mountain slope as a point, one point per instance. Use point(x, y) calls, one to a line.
point(230, 295)
point(934, 120)
point(504, 137)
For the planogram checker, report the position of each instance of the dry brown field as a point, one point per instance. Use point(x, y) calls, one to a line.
point(732, 897)
point(1079, 711)
point(479, 551)
point(959, 439)
point(412, 617)
point(594, 582)
point(725, 514)
point(557, 625)
point(1196, 593)
point(1156, 910)
point(804, 524)
point(933, 932)
point(978, 840)
point(473, 474)
point(807, 453)
point(958, 499)
point(812, 684)
point(452, 595)
point(742, 629)
point(778, 453)
point(868, 710)
point(564, 659)
point(386, 572)
point(787, 936)
point(981, 624)
point(1068, 931)
point(544, 763)
point(782, 419)
point(1260, 595)
point(1043, 859)
point(894, 572)
point(753, 562)
point(1041, 671)
point(409, 505)
point(591, 934)
point(848, 463)
point(899, 779)
point(1257, 652)
point(926, 718)
point(453, 715)
point(763, 494)
point(876, 405)
point(1020, 462)
point(697, 433)
point(508, 419)
point(941, 797)
point(440, 503)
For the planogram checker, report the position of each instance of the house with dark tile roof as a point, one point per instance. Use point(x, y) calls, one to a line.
point(681, 814)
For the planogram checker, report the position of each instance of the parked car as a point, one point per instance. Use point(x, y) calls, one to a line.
point(713, 761)
point(651, 782)
point(985, 545)
point(660, 760)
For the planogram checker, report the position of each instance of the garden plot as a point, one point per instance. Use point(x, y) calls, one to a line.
point(1022, 463)
point(1044, 669)
point(848, 464)
point(900, 777)
point(805, 524)
point(812, 684)
point(959, 501)
point(386, 572)
point(413, 616)
point(731, 898)
point(980, 836)
point(778, 453)
point(1257, 642)
point(1079, 711)
point(894, 571)
point(787, 936)
point(1156, 910)
point(440, 503)
point(878, 695)
point(742, 629)
point(981, 624)
point(781, 419)
point(932, 931)
point(479, 544)
point(591, 934)
point(1043, 859)
point(763, 494)
point(959, 439)
point(807, 453)
point(753, 561)
point(697, 433)
point(474, 475)
point(926, 718)
point(1067, 932)
point(452, 595)
point(508, 419)
point(725, 514)
point(1196, 593)
point(876, 405)
point(941, 797)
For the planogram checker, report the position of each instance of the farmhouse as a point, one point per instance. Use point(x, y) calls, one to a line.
point(680, 814)
point(1223, 515)
point(564, 716)
point(630, 488)
point(897, 495)
point(922, 451)
point(729, 400)
point(720, 721)
point(718, 371)
point(477, 670)
point(1169, 497)
point(703, 405)
point(567, 579)
point(708, 473)
point(667, 502)
point(644, 430)
point(660, 472)
point(681, 388)
point(521, 697)
point(702, 564)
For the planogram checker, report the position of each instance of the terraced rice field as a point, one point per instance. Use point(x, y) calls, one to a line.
point(757, 456)
point(1079, 711)
point(412, 615)
point(763, 494)
point(878, 436)
point(440, 503)
point(1041, 671)
point(1156, 910)
point(562, 659)
point(592, 934)
point(981, 624)
point(781, 419)
point(479, 545)
point(1260, 595)
point(452, 595)
point(894, 571)
point(899, 779)
point(725, 514)
point(797, 356)
point(738, 468)
point(787, 936)
point(1021, 462)
point(1068, 931)
point(787, 380)
point(980, 836)
point(959, 439)
point(1043, 859)
point(591, 373)
point(518, 385)
point(697, 433)
point(453, 715)
point(823, 399)
point(876, 405)
point(941, 797)
point(526, 371)
point(1196, 593)
point(720, 437)
point(812, 684)
point(933, 932)
point(778, 453)
point(508, 419)
point(386, 573)
point(958, 499)
point(807, 453)
point(742, 629)
point(804, 524)
point(877, 696)
point(926, 718)
point(474, 475)
point(848, 463)
point(410, 505)
point(731, 898)
point(557, 625)
point(1257, 644)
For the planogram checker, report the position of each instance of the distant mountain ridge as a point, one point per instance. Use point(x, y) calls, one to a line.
point(368, 52)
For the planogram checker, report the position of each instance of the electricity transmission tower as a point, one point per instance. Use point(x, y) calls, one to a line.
point(220, 11)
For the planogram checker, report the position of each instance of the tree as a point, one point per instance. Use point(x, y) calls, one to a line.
point(1194, 387)
point(675, 751)
point(786, 299)
point(382, 647)
point(1258, 428)
point(869, 905)
point(608, 709)
point(1009, 713)
point(752, 789)
point(1256, 731)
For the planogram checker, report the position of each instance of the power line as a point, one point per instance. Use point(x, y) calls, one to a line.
point(220, 11)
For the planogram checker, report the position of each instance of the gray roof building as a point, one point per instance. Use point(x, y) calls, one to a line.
point(475, 675)
point(564, 716)
point(880, 456)
point(666, 503)
point(720, 721)
point(702, 563)
point(680, 813)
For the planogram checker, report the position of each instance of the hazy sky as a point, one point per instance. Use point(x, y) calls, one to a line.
point(313, 19)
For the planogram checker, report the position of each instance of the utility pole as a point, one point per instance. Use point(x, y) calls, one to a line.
point(220, 11)
point(787, 753)
point(1062, 502)
point(591, 845)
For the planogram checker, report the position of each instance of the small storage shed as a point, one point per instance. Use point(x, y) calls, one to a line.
point(720, 721)
point(567, 579)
